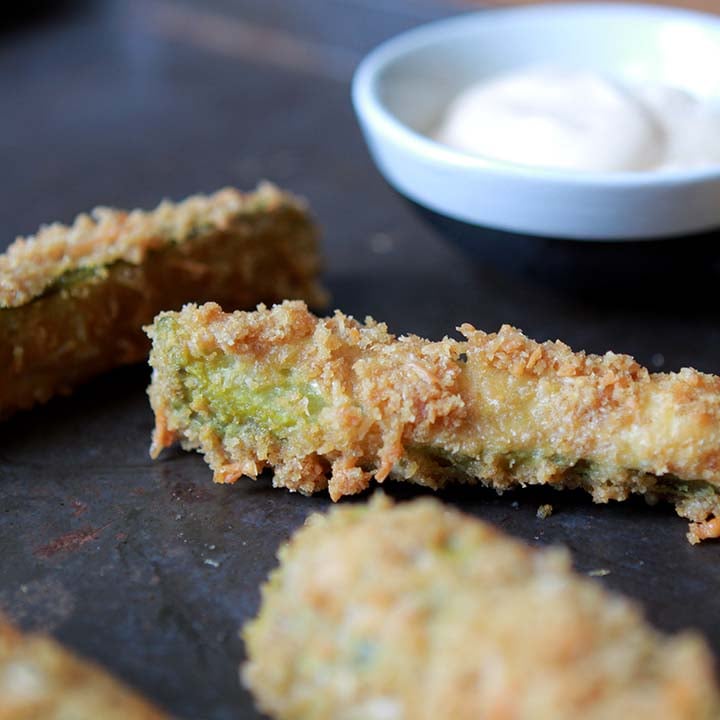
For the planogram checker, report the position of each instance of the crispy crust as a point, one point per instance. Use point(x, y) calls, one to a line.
point(497, 408)
point(386, 612)
point(41, 679)
point(73, 300)
point(30, 265)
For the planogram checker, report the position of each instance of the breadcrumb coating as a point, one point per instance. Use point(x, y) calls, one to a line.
point(30, 265)
point(41, 679)
point(332, 403)
point(414, 611)
point(73, 299)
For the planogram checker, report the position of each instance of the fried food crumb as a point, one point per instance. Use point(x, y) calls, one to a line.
point(600, 572)
point(544, 511)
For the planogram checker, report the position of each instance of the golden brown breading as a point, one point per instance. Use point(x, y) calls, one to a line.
point(331, 403)
point(39, 679)
point(73, 299)
point(416, 612)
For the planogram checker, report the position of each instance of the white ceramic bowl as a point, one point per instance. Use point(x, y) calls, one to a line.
point(401, 88)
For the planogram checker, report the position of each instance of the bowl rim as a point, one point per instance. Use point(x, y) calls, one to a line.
point(368, 104)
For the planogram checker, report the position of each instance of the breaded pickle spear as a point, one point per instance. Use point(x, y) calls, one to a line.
point(73, 300)
point(39, 679)
point(415, 611)
point(331, 403)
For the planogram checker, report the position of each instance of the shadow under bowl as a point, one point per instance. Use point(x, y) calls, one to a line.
point(687, 266)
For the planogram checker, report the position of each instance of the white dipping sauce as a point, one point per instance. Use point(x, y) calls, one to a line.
point(580, 120)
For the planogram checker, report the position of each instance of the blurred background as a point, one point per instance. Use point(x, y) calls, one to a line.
point(705, 5)
point(125, 102)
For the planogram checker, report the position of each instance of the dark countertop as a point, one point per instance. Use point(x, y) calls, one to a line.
point(148, 567)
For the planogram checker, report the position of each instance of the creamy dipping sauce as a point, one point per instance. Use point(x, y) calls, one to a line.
point(580, 120)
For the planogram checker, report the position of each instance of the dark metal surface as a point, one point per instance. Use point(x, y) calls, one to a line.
point(148, 567)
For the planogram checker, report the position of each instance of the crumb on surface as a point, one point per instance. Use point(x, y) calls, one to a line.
point(544, 511)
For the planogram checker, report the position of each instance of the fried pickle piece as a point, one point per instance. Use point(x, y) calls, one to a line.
point(331, 403)
point(41, 679)
point(73, 300)
point(382, 612)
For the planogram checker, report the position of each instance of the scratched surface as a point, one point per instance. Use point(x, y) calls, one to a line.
point(148, 567)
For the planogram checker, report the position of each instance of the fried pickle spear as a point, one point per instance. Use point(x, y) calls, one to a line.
point(331, 403)
point(382, 612)
point(73, 300)
point(41, 679)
